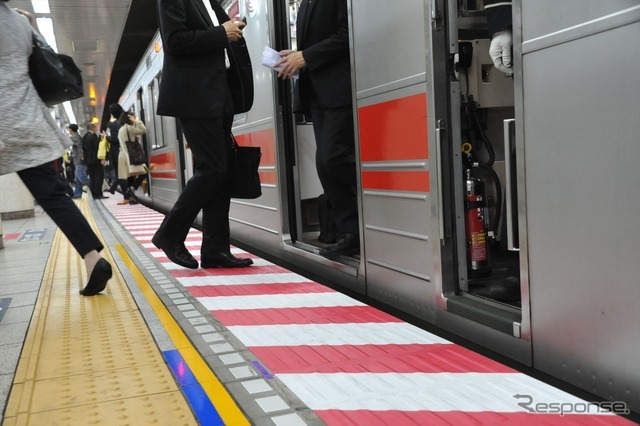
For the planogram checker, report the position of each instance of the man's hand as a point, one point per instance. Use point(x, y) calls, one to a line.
point(500, 51)
point(292, 61)
point(233, 29)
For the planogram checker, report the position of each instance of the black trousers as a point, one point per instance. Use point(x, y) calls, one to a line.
point(208, 189)
point(336, 164)
point(96, 177)
point(50, 193)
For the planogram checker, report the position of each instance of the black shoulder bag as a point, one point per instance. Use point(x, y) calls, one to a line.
point(56, 77)
point(135, 151)
point(243, 176)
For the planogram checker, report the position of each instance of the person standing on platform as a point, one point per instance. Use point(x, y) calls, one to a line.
point(81, 176)
point(324, 90)
point(95, 167)
point(194, 89)
point(130, 129)
point(30, 140)
point(112, 136)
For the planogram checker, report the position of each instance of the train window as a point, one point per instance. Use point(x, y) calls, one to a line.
point(157, 137)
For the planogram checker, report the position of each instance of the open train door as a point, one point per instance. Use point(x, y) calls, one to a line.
point(471, 115)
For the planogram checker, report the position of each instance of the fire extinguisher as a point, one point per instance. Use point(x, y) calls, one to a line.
point(477, 226)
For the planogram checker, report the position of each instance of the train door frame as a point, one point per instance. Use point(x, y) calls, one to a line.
point(492, 324)
point(349, 271)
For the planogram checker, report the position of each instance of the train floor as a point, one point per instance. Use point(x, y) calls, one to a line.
point(260, 345)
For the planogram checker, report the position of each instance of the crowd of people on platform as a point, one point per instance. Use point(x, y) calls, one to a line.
point(84, 165)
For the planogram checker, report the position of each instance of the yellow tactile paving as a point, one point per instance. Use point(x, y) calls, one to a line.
point(90, 360)
point(226, 406)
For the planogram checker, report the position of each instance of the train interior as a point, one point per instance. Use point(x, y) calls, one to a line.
point(488, 156)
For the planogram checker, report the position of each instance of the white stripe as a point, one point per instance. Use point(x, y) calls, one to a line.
point(143, 225)
point(141, 222)
point(243, 279)
point(504, 3)
point(333, 334)
point(170, 266)
point(278, 301)
point(466, 392)
point(152, 232)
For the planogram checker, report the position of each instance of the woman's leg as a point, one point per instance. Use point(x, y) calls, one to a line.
point(50, 194)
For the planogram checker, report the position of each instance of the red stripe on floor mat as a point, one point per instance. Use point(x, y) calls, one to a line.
point(441, 418)
point(321, 315)
point(415, 358)
point(257, 289)
point(214, 272)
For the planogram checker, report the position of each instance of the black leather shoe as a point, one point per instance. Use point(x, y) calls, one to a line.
point(225, 260)
point(348, 244)
point(506, 290)
point(98, 280)
point(176, 252)
point(327, 238)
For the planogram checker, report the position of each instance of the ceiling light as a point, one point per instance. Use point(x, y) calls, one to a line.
point(41, 6)
point(70, 115)
point(45, 25)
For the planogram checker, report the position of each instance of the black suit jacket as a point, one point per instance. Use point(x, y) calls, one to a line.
point(194, 81)
point(323, 38)
point(90, 144)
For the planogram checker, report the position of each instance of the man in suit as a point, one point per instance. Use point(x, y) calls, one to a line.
point(324, 90)
point(90, 144)
point(194, 89)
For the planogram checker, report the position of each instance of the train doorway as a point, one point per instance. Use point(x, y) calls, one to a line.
point(310, 210)
point(474, 109)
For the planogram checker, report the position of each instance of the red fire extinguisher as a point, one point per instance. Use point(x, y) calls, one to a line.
point(477, 226)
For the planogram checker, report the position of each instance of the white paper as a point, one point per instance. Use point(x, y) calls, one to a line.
point(271, 57)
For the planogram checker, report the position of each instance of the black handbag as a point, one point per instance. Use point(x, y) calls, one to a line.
point(135, 151)
point(56, 77)
point(244, 177)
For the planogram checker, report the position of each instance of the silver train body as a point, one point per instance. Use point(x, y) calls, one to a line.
point(570, 200)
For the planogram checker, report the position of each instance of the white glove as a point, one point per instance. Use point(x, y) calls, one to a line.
point(500, 51)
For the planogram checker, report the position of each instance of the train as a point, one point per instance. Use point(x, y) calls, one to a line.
point(500, 208)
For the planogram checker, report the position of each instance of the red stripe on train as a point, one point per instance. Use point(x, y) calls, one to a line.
point(394, 130)
point(265, 139)
point(397, 181)
point(163, 165)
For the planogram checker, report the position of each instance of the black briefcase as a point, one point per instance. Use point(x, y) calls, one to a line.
point(244, 177)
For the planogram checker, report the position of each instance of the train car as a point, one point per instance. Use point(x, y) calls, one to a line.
point(502, 208)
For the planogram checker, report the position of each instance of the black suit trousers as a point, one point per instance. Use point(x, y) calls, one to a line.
point(336, 164)
point(208, 189)
point(96, 177)
point(50, 193)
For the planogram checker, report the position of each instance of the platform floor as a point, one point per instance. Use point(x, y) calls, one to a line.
point(261, 345)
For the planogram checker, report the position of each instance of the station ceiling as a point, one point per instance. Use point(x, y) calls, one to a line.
point(106, 39)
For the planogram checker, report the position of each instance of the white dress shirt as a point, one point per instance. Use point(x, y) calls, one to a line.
point(216, 23)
